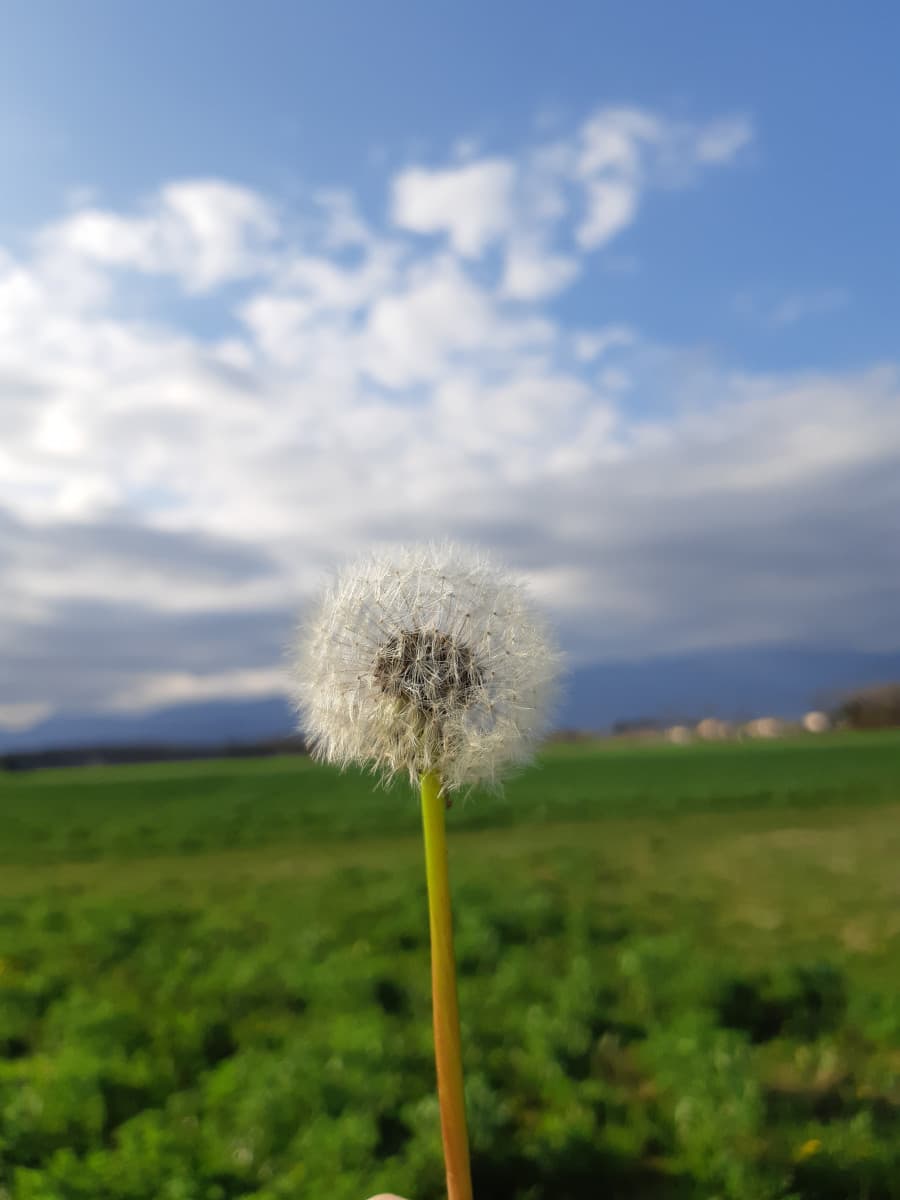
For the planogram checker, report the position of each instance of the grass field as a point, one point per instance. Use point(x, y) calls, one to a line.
point(680, 977)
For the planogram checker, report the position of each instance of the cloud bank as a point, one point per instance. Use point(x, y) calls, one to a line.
point(206, 401)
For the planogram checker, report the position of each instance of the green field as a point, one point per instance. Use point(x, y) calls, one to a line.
point(679, 977)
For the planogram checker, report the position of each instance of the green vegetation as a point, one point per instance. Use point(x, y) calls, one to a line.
point(679, 977)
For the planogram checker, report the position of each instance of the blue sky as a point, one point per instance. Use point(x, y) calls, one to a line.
point(116, 97)
point(612, 290)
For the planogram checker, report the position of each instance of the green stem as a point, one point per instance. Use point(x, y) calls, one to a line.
point(447, 1051)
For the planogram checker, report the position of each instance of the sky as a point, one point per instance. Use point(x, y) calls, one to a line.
point(611, 290)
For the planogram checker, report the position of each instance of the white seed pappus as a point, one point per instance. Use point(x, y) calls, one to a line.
point(425, 658)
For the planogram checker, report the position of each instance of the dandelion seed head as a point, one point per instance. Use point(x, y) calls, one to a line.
point(425, 658)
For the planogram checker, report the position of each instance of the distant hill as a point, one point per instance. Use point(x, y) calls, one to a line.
point(215, 722)
point(732, 684)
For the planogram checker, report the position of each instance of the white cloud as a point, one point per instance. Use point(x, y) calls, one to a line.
point(611, 207)
point(624, 151)
point(472, 204)
point(155, 690)
point(439, 317)
point(791, 308)
point(203, 231)
point(592, 345)
point(600, 174)
point(809, 304)
point(343, 224)
point(531, 272)
point(14, 717)
point(166, 498)
point(722, 141)
point(614, 379)
point(615, 140)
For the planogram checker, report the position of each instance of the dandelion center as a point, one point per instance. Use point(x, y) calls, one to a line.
point(428, 669)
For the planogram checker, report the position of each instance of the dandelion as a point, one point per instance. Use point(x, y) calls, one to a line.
point(430, 662)
point(807, 1150)
point(427, 659)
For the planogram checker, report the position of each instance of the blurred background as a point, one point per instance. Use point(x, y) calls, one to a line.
point(613, 294)
point(609, 290)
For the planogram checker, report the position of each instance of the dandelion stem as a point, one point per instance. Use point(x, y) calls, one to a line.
point(447, 1052)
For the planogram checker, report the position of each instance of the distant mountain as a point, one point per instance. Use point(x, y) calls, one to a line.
point(732, 684)
point(210, 723)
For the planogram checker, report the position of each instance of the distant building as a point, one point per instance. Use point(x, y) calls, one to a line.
point(679, 735)
point(766, 727)
point(816, 722)
point(711, 729)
